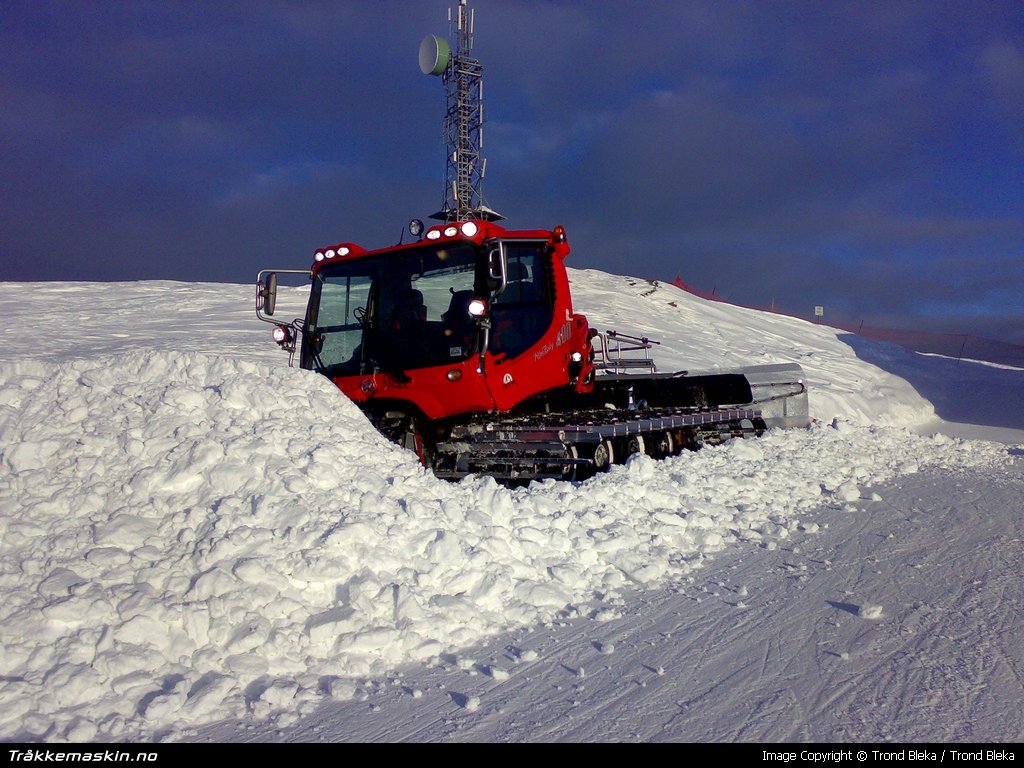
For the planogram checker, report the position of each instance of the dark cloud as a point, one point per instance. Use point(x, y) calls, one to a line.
point(864, 156)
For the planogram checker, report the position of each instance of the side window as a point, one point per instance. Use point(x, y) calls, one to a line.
point(522, 313)
point(342, 305)
point(525, 282)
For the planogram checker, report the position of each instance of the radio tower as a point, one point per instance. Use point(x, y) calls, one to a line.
point(463, 80)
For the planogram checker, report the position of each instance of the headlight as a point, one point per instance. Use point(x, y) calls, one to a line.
point(451, 231)
point(469, 229)
point(477, 307)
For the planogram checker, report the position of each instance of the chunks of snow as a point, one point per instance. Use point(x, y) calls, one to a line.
point(468, 703)
point(245, 527)
point(848, 491)
point(871, 612)
point(496, 673)
point(188, 536)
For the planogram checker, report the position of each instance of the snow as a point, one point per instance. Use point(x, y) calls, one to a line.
point(200, 542)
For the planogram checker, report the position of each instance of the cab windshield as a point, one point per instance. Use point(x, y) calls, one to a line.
point(393, 312)
point(408, 310)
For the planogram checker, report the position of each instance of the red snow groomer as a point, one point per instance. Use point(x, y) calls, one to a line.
point(464, 347)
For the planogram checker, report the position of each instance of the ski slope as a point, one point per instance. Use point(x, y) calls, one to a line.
point(199, 542)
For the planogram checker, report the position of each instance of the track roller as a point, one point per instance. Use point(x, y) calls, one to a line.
point(665, 445)
point(635, 444)
point(604, 456)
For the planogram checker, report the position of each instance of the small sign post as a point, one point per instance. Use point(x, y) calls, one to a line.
point(819, 312)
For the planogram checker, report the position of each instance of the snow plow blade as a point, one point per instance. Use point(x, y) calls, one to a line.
point(778, 391)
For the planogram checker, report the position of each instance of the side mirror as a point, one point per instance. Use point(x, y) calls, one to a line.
point(497, 268)
point(266, 294)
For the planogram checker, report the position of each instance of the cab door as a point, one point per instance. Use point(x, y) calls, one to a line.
point(522, 352)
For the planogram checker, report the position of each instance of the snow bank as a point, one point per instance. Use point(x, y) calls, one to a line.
point(68, 320)
point(697, 334)
point(188, 538)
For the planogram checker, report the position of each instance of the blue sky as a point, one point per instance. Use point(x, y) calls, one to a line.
point(863, 156)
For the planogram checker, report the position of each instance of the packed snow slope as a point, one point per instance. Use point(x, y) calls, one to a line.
point(193, 531)
point(893, 618)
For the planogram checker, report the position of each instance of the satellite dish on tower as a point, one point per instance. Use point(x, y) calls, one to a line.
point(462, 76)
point(434, 55)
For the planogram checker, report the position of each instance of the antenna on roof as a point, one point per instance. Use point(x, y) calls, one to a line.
point(463, 80)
